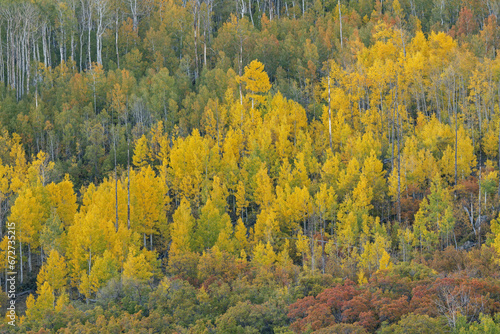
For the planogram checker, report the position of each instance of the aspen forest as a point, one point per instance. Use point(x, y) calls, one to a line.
point(250, 166)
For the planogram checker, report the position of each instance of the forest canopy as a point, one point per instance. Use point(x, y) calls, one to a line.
point(251, 166)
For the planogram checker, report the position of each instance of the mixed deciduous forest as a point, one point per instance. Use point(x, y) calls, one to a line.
point(231, 166)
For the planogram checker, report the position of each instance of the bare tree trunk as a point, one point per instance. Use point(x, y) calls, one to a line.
point(44, 44)
point(499, 135)
point(90, 268)
point(128, 183)
point(116, 181)
point(196, 23)
point(73, 48)
point(102, 23)
point(2, 78)
point(456, 146)
point(329, 114)
point(29, 258)
point(116, 39)
point(89, 27)
point(134, 11)
point(250, 12)
point(21, 259)
point(399, 165)
point(340, 21)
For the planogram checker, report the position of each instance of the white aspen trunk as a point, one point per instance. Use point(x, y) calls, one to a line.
point(44, 44)
point(133, 10)
point(116, 182)
point(72, 48)
point(89, 26)
point(90, 267)
point(128, 183)
point(329, 114)
point(28, 66)
point(21, 259)
point(250, 12)
point(29, 258)
point(116, 40)
point(2, 79)
point(48, 47)
point(340, 21)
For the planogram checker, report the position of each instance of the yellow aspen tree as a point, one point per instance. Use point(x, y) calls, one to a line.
point(240, 236)
point(348, 178)
point(29, 211)
point(63, 199)
point(373, 173)
point(5, 188)
point(147, 203)
point(19, 165)
point(226, 240)
point(330, 171)
point(219, 194)
point(325, 202)
point(302, 204)
point(39, 169)
point(363, 194)
point(263, 255)
point(88, 238)
point(303, 249)
point(103, 269)
point(142, 154)
point(256, 81)
point(300, 173)
point(182, 229)
point(495, 240)
point(188, 163)
point(140, 266)
point(156, 144)
point(55, 272)
point(266, 228)
point(37, 308)
point(232, 149)
point(263, 195)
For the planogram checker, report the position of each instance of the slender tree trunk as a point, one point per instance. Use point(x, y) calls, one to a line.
point(499, 134)
point(2, 79)
point(399, 172)
point(329, 114)
point(250, 12)
point(456, 148)
point(128, 183)
point(44, 45)
point(90, 267)
point(116, 181)
point(29, 258)
point(340, 21)
point(73, 49)
point(116, 40)
point(21, 259)
point(89, 27)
